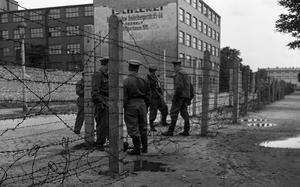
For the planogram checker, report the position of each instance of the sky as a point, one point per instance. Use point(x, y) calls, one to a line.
point(248, 26)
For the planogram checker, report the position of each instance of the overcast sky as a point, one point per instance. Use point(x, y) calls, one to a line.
point(246, 25)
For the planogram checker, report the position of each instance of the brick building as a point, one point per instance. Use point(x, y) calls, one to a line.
point(8, 5)
point(289, 75)
point(53, 37)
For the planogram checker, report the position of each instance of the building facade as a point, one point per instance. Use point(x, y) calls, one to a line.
point(162, 31)
point(8, 5)
point(289, 75)
point(53, 36)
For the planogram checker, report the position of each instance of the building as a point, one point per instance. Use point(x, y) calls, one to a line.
point(166, 29)
point(289, 75)
point(8, 5)
point(53, 37)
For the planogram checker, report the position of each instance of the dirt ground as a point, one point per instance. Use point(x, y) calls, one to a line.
point(232, 158)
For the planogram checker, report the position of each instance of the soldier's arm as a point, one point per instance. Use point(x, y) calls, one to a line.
point(96, 85)
point(125, 94)
point(178, 85)
point(147, 96)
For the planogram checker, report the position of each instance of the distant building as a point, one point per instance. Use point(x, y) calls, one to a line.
point(8, 5)
point(183, 29)
point(286, 74)
point(54, 35)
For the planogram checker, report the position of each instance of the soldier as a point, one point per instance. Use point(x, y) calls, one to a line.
point(156, 99)
point(100, 100)
point(183, 94)
point(136, 102)
point(80, 105)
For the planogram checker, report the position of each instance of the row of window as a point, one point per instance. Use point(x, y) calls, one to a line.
point(53, 14)
point(196, 43)
point(205, 10)
point(53, 50)
point(39, 32)
point(187, 18)
point(195, 62)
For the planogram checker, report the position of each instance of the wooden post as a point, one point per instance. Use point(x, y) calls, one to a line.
point(273, 90)
point(230, 86)
point(246, 90)
point(88, 74)
point(205, 94)
point(115, 95)
point(236, 68)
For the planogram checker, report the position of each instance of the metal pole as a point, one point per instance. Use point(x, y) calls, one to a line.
point(25, 107)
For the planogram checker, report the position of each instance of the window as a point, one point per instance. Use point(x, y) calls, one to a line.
point(217, 52)
point(204, 46)
point(205, 29)
point(73, 48)
point(218, 36)
point(17, 50)
point(214, 35)
point(194, 42)
point(199, 82)
point(18, 17)
point(194, 3)
point(55, 31)
point(218, 20)
point(181, 37)
point(55, 49)
point(205, 10)
point(213, 50)
point(16, 34)
point(4, 34)
point(5, 52)
point(72, 12)
point(214, 17)
point(54, 13)
point(36, 15)
point(200, 25)
point(200, 43)
point(194, 63)
point(188, 18)
point(181, 14)
point(200, 5)
point(36, 33)
point(209, 48)
point(181, 56)
point(188, 40)
point(188, 1)
point(209, 14)
point(89, 11)
point(4, 18)
point(200, 63)
point(72, 30)
point(209, 32)
point(188, 61)
point(194, 22)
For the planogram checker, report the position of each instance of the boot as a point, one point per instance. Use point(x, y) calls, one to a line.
point(144, 143)
point(136, 146)
point(186, 128)
point(164, 121)
point(152, 127)
point(170, 130)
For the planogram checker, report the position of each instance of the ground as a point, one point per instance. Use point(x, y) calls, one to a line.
point(230, 157)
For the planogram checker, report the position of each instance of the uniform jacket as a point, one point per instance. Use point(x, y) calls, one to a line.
point(100, 87)
point(135, 87)
point(182, 85)
point(155, 89)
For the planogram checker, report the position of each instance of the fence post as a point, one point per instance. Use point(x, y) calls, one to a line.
point(205, 94)
point(236, 68)
point(115, 95)
point(88, 74)
point(246, 86)
point(230, 86)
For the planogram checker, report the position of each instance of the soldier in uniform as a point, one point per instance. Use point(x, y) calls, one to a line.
point(136, 102)
point(80, 106)
point(100, 100)
point(156, 99)
point(183, 94)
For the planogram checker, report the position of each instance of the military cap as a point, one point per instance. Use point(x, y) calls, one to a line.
point(152, 68)
point(177, 62)
point(104, 61)
point(134, 65)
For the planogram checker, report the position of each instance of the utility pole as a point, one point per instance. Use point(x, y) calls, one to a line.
point(165, 77)
point(22, 26)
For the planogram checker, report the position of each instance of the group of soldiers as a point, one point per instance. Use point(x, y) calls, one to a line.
point(139, 94)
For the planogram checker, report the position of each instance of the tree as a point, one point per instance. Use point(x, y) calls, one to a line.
point(227, 56)
point(290, 22)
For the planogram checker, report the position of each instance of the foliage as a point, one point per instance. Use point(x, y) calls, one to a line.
point(290, 22)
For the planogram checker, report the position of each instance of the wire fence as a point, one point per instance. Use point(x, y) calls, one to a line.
point(40, 146)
